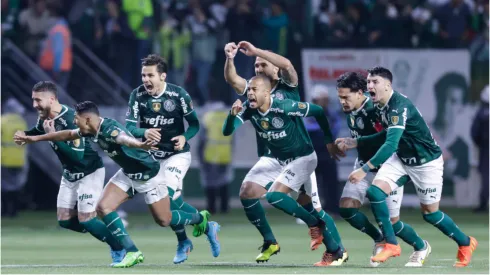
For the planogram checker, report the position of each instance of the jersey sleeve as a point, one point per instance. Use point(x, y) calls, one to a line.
point(77, 144)
point(132, 115)
point(296, 108)
point(37, 129)
point(244, 115)
point(186, 102)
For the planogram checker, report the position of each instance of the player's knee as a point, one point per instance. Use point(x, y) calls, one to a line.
point(429, 208)
point(103, 209)
point(349, 203)
point(85, 217)
point(303, 198)
point(164, 220)
point(394, 220)
point(248, 190)
point(348, 212)
point(374, 193)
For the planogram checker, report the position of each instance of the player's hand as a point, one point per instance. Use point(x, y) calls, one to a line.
point(148, 145)
point(231, 50)
point(247, 48)
point(19, 134)
point(48, 126)
point(179, 142)
point(21, 138)
point(153, 134)
point(335, 151)
point(236, 108)
point(345, 144)
point(357, 175)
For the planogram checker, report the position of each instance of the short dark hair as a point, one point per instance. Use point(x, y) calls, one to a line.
point(86, 107)
point(381, 71)
point(45, 86)
point(155, 59)
point(352, 80)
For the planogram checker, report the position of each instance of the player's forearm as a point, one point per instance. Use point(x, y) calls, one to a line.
point(193, 126)
point(134, 130)
point(74, 154)
point(288, 72)
point(64, 135)
point(33, 132)
point(388, 148)
point(377, 138)
point(317, 112)
point(231, 124)
point(238, 83)
point(128, 141)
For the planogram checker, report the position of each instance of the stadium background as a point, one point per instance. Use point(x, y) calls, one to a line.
point(422, 42)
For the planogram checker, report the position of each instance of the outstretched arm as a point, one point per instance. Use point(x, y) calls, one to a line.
point(237, 82)
point(132, 142)
point(56, 136)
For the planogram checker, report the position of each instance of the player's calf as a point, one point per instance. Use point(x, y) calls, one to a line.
point(67, 219)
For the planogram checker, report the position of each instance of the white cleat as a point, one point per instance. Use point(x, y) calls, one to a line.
point(418, 258)
point(376, 249)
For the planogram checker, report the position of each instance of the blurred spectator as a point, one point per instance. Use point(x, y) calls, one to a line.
point(479, 47)
point(215, 157)
point(453, 18)
point(203, 28)
point(379, 24)
point(422, 25)
point(10, 12)
point(140, 20)
point(14, 164)
point(35, 22)
point(357, 19)
point(479, 134)
point(276, 28)
point(326, 171)
point(56, 56)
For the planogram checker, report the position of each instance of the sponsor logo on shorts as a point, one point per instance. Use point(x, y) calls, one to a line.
point(174, 169)
point(84, 197)
point(426, 191)
point(74, 176)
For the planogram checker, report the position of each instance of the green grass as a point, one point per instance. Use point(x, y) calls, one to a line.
point(32, 243)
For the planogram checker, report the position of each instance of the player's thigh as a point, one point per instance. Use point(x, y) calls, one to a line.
point(256, 182)
point(390, 174)
point(310, 193)
point(90, 190)
point(67, 199)
point(356, 192)
point(297, 172)
point(394, 201)
point(428, 180)
point(160, 210)
point(173, 171)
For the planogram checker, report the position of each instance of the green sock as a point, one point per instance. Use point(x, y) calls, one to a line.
point(116, 227)
point(380, 210)
point(100, 232)
point(360, 222)
point(73, 224)
point(179, 230)
point(447, 226)
point(256, 215)
point(183, 218)
point(329, 241)
point(405, 232)
point(290, 206)
point(332, 228)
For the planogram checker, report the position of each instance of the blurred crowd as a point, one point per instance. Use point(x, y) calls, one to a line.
point(191, 34)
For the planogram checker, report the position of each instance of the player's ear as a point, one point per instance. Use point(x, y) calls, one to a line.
point(163, 76)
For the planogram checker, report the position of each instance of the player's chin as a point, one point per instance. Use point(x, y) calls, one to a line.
point(253, 105)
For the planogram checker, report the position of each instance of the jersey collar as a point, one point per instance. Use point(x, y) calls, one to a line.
point(98, 130)
point(275, 86)
point(387, 102)
point(362, 106)
point(164, 89)
point(63, 111)
point(266, 112)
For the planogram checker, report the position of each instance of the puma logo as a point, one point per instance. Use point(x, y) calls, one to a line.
point(434, 197)
point(90, 203)
point(288, 178)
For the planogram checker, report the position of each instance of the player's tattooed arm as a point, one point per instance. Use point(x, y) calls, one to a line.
point(237, 82)
point(64, 135)
point(129, 141)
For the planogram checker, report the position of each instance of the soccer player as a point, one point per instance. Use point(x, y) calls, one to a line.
point(267, 169)
point(408, 149)
point(276, 125)
point(361, 120)
point(83, 171)
point(160, 108)
point(140, 173)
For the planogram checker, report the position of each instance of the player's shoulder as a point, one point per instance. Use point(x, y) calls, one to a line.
point(285, 83)
point(399, 102)
point(139, 92)
point(175, 90)
point(66, 116)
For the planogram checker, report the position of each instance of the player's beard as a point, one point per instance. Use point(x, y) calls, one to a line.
point(44, 112)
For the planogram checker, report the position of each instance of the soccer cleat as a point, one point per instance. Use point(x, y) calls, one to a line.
point(465, 253)
point(183, 250)
point(377, 248)
point(131, 258)
point(201, 227)
point(389, 250)
point(417, 258)
point(333, 259)
point(117, 256)
point(268, 249)
point(212, 236)
point(316, 235)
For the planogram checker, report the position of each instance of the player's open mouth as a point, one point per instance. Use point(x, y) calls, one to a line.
point(373, 94)
point(252, 100)
point(149, 87)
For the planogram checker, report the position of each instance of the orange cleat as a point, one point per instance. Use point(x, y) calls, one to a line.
point(316, 234)
point(333, 259)
point(465, 253)
point(389, 250)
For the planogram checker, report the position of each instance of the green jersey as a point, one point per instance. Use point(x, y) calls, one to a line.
point(77, 157)
point(282, 90)
point(363, 122)
point(280, 129)
point(166, 111)
point(137, 164)
point(416, 146)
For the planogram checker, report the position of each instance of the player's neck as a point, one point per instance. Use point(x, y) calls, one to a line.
point(95, 128)
point(361, 103)
point(55, 110)
point(161, 90)
point(383, 101)
point(266, 106)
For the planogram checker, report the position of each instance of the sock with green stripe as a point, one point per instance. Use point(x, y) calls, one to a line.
point(183, 218)
point(287, 204)
point(256, 215)
point(377, 198)
point(447, 226)
point(327, 219)
point(72, 224)
point(116, 227)
point(405, 232)
point(179, 204)
point(359, 221)
point(99, 230)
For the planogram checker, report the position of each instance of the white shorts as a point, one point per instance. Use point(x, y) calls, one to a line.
point(358, 192)
point(268, 169)
point(298, 172)
point(86, 192)
point(153, 189)
point(173, 171)
point(427, 177)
